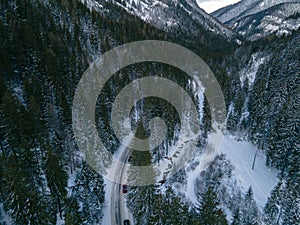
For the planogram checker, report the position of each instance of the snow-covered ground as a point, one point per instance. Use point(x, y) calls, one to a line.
point(261, 178)
point(4, 217)
point(251, 69)
point(107, 203)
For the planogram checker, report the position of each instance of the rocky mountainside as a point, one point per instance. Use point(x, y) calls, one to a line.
point(172, 16)
point(257, 19)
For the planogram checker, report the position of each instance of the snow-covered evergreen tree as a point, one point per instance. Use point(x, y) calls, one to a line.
point(210, 210)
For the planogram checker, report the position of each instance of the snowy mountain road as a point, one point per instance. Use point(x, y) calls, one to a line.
point(118, 209)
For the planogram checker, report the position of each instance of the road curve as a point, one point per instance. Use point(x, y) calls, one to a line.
point(118, 209)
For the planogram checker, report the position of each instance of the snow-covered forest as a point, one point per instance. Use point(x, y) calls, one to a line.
point(252, 48)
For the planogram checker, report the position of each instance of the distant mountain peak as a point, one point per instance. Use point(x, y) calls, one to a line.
point(171, 15)
point(255, 19)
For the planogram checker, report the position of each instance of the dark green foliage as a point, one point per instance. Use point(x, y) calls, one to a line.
point(210, 211)
point(45, 48)
point(141, 198)
point(169, 209)
point(72, 215)
point(22, 184)
point(249, 211)
point(291, 196)
point(272, 210)
point(294, 16)
point(284, 137)
point(282, 204)
point(273, 110)
point(33, 178)
point(236, 218)
point(56, 178)
point(89, 191)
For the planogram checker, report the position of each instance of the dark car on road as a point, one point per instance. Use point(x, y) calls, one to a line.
point(124, 188)
point(126, 222)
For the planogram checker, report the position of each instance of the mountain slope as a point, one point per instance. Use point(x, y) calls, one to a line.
point(45, 48)
point(264, 108)
point(244, 8)
point(257, 19)
point(173, 16)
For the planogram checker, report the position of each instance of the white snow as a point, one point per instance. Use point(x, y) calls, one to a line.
point(270, 27)
point(262, 178)
point(107, 202)
point(244, 17)
point(247, 7)
point(201, 161)
point(4, 217)
point(18, 92)
point(178, 156)
point(181, 153)
point(250, 71)
point(230, 110)
point(190, 186)
point(158, 3)
point(72, 178)
point(59, 221)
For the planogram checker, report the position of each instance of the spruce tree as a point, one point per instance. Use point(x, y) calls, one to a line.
point(141, 198)
point(23, 186)
point(291, 195)
point(56, 178)
point(89, 192)
point(249, 211)
point(210, 210)
point(159, 213)
point(72, 215)
point(271, 209)
point(236, 218)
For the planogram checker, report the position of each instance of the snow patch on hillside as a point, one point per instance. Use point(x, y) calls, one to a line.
point(256, 19)
point(245, 8)
point(262, 179)
point(4, 217)
point(249, 72)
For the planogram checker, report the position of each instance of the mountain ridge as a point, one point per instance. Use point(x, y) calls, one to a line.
point(184, 15)
point(261, 18)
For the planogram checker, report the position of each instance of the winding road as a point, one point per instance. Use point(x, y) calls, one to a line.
point(118, 208)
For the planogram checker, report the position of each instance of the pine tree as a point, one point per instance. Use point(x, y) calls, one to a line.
point(249, 211)
point(168, 209)
point(210, 211)
point(236, 218)
point(72, 215)
point(26, 198)
point(159, 213)
point(179, 212)
point(141, 198)
point(272, 210)
point(89, 192)
point(56, 178)
point(291, 195)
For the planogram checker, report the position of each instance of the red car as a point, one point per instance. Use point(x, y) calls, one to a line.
point(124, 188)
